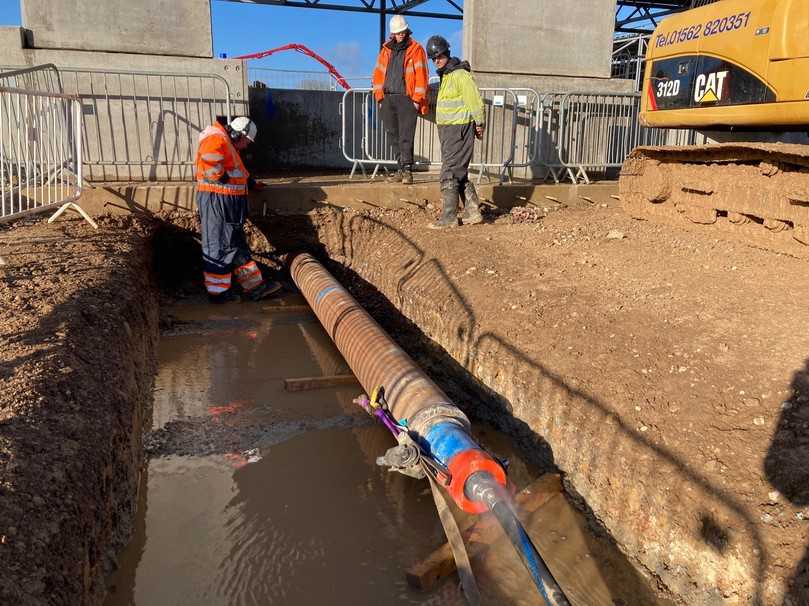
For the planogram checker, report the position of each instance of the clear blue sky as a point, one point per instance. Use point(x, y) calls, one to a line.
point(348, 40)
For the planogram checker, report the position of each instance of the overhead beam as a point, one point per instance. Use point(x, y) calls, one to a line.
point(368, 7)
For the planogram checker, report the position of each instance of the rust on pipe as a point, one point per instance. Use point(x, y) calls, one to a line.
point(371, 354)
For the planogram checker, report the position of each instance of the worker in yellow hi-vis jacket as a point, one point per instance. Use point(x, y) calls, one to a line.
point(460, 118)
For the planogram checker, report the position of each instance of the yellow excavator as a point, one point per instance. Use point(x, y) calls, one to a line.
point(736, 71)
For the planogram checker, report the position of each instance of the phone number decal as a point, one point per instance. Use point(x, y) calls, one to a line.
point(704, 30)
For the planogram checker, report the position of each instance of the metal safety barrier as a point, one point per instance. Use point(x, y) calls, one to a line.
point(40, 151)
point(137, 125)
point(508, 141)
point(584, 133)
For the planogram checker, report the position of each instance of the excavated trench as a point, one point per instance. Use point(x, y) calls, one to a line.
point(246, 493)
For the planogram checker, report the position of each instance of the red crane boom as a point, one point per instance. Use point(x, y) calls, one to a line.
point(300, 48)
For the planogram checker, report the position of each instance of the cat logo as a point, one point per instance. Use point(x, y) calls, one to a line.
point(708, 88)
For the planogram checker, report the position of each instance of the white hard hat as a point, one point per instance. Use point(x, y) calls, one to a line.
point(398, 24)
point(244, 126)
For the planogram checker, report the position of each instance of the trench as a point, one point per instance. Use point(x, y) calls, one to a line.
point(254, 494)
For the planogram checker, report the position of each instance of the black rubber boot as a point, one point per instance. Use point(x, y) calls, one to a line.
point(407, 175)
point(229, 296)
point(471, 208)
point(264, 290)
point(449, 208)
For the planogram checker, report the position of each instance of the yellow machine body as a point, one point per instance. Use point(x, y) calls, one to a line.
point(734, 64)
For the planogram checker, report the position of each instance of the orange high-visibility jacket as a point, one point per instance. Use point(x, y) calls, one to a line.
point(216, 157)
point(415, 72)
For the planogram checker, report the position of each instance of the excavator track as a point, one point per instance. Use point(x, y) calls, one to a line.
point(756, 193)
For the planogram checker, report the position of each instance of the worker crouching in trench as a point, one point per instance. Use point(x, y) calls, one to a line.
point(222, 186)
point(460, 119)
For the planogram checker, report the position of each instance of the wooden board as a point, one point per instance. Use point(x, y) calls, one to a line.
point(310, 383)
point(479, 533)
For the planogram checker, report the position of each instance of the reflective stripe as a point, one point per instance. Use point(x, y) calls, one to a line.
point(418, 65)
point(235, 173)
point(248, 275)
point(213, 157)
point(216, 284)
point(410, 70)
point(212, 131)
point(382, 68)
point(377, 87)
point(223, 187)
point(450, 103)
point(420, 89)
point(213, 171)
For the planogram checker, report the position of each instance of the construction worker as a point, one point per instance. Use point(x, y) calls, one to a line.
point(460, 118)
point(400, 87)
point(222, 185)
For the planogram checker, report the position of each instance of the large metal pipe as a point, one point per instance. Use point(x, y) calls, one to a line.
point(477, 481)
point(376, 360)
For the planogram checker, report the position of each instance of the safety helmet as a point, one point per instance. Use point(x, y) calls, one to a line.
point(437, 46)
point(245, 127)
point(398, 24)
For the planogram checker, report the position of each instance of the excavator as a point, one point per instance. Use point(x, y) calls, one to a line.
point(737, 73)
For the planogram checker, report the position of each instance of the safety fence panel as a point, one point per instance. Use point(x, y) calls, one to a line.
point(39, 79)
point(585, 133)
point(288, 79)
point(139, 125)
point(40, 151)
point(509, 117)
point(629, 58)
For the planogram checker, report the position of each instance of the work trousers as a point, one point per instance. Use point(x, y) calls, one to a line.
point(224, 244)
point(399, 116)
point(457, 146)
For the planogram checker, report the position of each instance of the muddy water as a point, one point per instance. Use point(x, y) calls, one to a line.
point(255, 495)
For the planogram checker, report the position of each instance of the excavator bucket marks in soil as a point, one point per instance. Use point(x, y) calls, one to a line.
point(756, 193)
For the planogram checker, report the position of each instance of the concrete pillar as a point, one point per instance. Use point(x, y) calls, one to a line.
point(549, 45)
point(153, 27)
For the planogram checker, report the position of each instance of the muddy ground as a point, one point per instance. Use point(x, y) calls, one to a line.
point(78, 326)
point(664, 371)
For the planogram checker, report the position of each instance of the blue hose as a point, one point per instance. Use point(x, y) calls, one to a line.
point(482, 487)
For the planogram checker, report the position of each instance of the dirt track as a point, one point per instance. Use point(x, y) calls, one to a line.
point(668, 372)
point(78, 323)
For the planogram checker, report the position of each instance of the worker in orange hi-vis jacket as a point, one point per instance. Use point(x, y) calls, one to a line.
point(400, 87)
point(222, 186)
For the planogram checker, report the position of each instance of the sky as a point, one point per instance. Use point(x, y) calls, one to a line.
point(350, 41)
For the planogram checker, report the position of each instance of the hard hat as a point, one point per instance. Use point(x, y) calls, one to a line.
point(437, 46)
point(244, 126)
point(398, 24)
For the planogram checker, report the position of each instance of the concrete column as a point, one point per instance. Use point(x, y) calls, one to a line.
point(544, 44)
point(153, 27)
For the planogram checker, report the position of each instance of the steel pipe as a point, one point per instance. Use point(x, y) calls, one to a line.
point(376, 360)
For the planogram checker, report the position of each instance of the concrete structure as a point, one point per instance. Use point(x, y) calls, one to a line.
point(547, 45)
point(156, 27)
point(138, 127)
point(297, 128)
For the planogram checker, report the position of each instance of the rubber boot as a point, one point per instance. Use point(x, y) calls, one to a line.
point(229, 296)
point(407, 175)
point(471, 209)
point(449, 208)
point(266, 289)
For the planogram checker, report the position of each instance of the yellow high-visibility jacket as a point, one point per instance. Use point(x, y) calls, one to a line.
point(459, 100)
